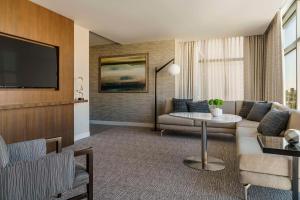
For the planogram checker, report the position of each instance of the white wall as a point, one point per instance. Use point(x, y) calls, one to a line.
point(81, 68)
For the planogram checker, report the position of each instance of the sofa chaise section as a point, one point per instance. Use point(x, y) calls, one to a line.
point(263, 169)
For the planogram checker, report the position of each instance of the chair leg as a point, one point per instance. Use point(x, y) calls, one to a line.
point(89, 189)
point(246, 187)
point(162, 132)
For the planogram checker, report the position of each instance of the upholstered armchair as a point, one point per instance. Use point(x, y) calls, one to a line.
point(27, 172)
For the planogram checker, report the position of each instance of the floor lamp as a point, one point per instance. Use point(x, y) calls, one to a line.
point(173, 70)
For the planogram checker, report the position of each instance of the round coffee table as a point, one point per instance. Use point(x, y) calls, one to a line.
point(204, 162)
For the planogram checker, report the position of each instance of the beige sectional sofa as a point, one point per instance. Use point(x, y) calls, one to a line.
point(167, 122)
point(255, 167)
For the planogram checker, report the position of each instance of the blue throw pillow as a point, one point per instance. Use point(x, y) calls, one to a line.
point(199, 106)
point(180, 105)
point(245, 109)
point(274, 123)
point(258, 111)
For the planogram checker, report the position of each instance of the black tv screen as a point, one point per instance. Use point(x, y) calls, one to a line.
point(27, 64)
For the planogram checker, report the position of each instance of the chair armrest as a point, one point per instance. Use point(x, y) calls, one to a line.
point(38, 179)
point(27, 150)
point(88, 152)
point(58, 143)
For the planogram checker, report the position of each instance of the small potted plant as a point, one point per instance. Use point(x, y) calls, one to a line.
point(216, 107)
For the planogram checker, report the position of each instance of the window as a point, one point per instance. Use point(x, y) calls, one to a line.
point(291, 79)
point(290, 56)
point(222, 68)
point(289, 31)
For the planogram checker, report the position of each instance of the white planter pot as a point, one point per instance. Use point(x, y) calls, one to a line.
point(216, 112)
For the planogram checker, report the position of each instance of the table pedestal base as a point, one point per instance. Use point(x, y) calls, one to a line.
point(213, 164)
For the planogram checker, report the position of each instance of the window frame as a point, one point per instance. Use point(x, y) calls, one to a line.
point(286, 18)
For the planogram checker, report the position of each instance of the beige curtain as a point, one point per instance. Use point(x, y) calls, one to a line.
point(273, 81)
point(221, 69)
point(254, 67)
point(186, 56)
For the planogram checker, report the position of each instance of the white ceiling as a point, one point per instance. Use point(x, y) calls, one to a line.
point(129, 21)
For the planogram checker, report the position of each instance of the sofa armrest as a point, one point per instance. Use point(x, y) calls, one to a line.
point(168, 106)
point(88, 153)
point(38, 179)
point(58, 143)
point(28, 150)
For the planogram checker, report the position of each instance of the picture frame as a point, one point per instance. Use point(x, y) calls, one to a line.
point(124, 73)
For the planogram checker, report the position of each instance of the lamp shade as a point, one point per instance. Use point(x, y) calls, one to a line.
point(174, 69)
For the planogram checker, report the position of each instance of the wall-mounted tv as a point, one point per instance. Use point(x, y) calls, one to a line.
point(28, 64)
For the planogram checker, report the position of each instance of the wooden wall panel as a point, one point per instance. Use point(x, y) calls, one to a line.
point(25, 19)
point(42, 122)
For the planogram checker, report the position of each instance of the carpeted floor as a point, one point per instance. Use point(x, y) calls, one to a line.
point(136, 163)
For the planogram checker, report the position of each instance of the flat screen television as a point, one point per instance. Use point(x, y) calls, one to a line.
point(28, 64)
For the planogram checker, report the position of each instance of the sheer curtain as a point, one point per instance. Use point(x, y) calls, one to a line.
point(221, 69)
point(211, 68)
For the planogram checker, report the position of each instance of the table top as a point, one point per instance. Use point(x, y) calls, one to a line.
point(278, 145)
point(225, 118)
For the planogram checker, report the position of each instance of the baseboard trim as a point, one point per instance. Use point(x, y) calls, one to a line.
point(81, 136)
point(116, 123)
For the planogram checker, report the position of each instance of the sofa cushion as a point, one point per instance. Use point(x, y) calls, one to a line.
point(251, 158)
point(245, 109)
point(278, 106)
point(180, 105)
point(181, 128)
point(171, 120)
point(216, 125)
point(246, 132)
point(258, 111)
point(4, 156)
point(198, 106)
point(81, 176)
point(274, 122)
point(247, 123)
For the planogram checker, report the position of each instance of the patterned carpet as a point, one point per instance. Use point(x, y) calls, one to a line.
point(136, 163)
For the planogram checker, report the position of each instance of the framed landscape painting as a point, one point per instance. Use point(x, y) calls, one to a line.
point(126, 73)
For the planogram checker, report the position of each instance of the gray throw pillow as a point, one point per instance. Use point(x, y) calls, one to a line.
point(4, 157)
point(245, 109)
point(274, 122)
point(258, 111)
point(199, 106)
point(180, 105)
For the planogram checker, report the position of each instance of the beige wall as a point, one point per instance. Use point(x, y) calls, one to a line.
point(131, 107)
point(81, 69)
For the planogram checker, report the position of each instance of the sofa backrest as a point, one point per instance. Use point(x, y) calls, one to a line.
point(294, 122)
point(238, 106)
point(228, 107)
